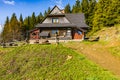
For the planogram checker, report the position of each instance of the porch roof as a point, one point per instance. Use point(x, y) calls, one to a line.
point(56, 25)
point(43, 33)
point(84, 30)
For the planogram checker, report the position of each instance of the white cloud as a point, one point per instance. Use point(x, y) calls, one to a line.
point(59, 3)
point(10, 2)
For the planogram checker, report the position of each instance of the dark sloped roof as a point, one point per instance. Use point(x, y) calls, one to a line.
point(33, 29)
point(55, 25)
point(84, 30)
point(77, 19)
point(44, 33)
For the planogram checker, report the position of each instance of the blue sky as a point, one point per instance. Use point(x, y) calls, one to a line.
point(26, 7)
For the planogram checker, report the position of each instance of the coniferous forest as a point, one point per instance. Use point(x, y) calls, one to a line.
point(98, 14)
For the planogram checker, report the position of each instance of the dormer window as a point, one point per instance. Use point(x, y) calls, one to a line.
point(55, 20)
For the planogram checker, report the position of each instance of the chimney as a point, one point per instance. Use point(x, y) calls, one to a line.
point(63, 11)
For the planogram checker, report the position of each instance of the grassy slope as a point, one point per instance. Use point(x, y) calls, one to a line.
point(49, 62)
point(115, 51)
point(112, 37)
point(108, 33)
point(98, 52)
point(106, 52)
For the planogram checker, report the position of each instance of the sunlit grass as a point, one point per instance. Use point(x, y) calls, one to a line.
point(49, 62)
point(115, 51)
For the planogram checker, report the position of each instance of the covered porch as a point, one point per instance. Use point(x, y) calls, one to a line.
point(51, 32)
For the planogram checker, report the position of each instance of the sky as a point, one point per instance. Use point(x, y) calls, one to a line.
point(27, 7)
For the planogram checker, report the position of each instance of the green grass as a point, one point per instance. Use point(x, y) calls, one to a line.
point(103, 43)
point(115, 51)
point(49, 62)
point(5, 50)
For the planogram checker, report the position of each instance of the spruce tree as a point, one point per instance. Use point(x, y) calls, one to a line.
point(84, 6)
point(21, 21)
point(39, 18)
point(27, 26)
point(45, 13)
point(49, 9)
point(14, 26)
point(27, 23)
point(21, 18)
point(21, 24)
point(91, 12)
point(33, 21)
point(115, 12)
point(67, 8)
point(99, 16)
point(77, 7)
point(73, 9)
point(6, 31)
point(104, 14)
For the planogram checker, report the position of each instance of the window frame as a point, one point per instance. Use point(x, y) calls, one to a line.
point(55, 20)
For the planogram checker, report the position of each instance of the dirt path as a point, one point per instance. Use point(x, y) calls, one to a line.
point(100, 55)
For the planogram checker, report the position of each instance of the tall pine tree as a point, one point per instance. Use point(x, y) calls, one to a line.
point(91, 12)
point(39, 18)
point(33, 21)
point(104, 14)
point(27, 23)
point(67, 8)
point(45, 13)
point(49, 9)
point(85, 6)
point(21, 20)
point(14, 24)
point(77, 7)
point(6, 31)
point(27, 26)
point(21, 24)
point(114, 12)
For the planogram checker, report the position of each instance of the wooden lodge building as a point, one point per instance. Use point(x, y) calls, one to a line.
point(64, 26)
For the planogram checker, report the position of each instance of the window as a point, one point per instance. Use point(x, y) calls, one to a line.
point(55, 20)
point(68, 32)
point(79, 32)
point(54, 31)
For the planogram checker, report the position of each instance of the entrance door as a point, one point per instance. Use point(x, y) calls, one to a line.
point(68, 34)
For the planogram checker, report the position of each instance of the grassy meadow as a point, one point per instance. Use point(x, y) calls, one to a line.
point(49, 62)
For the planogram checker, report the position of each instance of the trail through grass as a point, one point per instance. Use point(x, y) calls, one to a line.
point(100, 53)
